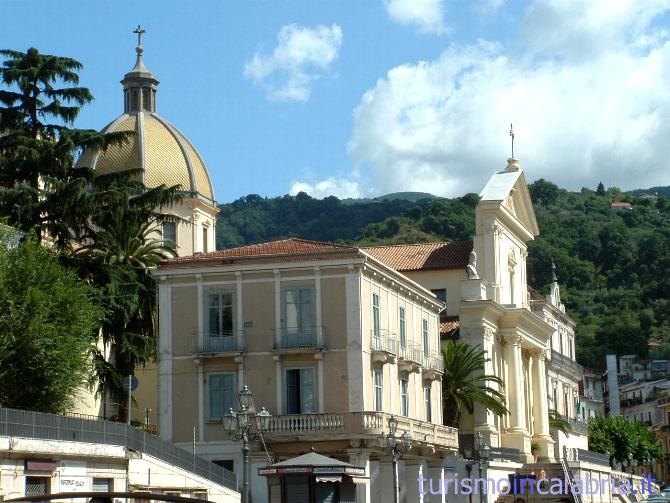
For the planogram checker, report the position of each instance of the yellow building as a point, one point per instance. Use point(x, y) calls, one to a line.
point(329, 339)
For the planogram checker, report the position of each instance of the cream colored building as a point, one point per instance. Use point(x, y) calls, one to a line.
point(564, 374)
point(329, 339)
point(493, 311)
point(164, 156)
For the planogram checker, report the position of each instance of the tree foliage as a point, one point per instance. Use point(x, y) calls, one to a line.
point(39, 186)
point(623, 440)
point(464, 383)
point(48, 327)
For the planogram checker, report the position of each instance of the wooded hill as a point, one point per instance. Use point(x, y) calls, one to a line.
point(613, 266)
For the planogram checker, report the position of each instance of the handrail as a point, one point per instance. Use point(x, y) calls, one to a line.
point(29, 424)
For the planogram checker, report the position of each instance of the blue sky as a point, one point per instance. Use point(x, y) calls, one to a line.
point(364, 97)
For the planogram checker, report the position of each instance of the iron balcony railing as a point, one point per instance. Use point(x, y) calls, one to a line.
point(384, 340)
point(232, 341)
point(567, 364)
point(576, 427)
point(410, 352)
point(433, 360)
point(37, 425)
point(299, 338)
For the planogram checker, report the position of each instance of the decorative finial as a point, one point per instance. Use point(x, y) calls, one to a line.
point(553, 272)
point(140, 31)
point(511, 133)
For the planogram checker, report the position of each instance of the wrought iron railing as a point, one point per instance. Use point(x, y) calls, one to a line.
point(300, 338)
point(566, 363)
point(28, 424)
point(384, 340)
point(222, 342)
point(433, 360)
point(410, 352)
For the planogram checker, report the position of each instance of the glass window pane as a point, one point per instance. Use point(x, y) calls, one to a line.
point(292, 393)
point(307, 391)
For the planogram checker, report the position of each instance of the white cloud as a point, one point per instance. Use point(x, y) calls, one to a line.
point(427, 15)
point(302, 55)
point(341, 187)
point(442, 126)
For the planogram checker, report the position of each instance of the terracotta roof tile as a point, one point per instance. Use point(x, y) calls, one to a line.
point(288, 246)
point(415, 257)
point(449, 327)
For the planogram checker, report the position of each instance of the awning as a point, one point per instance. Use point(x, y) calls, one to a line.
point(329, 478)
point(360, 480)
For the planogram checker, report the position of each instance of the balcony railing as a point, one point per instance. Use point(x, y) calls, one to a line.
point(299, 338)
point(566, 364)
point(362, 425)
point(576, 427)
point(433, 360)
point(224, 342)
point(384, 340)
point(411, 352)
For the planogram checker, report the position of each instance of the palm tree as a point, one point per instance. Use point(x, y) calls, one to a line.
point(464, 383)
point(122, 246)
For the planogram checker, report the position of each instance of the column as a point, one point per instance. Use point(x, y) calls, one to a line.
point(239, 315)
point(516, 404)
point(541, 408)
point(277, 307)
point(165, 358)
point(361, 457)
point(383, 489)
point(434, 485)
point(413, 471)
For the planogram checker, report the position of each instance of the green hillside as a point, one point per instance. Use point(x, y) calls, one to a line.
point(614, 268)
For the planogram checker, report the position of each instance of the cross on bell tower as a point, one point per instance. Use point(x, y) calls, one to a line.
point(139, 84)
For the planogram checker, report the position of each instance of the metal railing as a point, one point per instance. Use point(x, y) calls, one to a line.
point(433, 360)
point(299, 338)
point(411, 352)
point(384, 340)
point(28, 424)
point(577, 427)
point(224, 342)
point(567, 364)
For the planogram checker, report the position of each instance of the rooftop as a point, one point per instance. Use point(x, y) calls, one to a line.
point(421, 256)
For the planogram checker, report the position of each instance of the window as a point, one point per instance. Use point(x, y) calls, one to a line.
point(228, 464)
point(402, 328)
point(101, 485)
point(221, 392)
point(37, 486)
point(428, 404)
point(205, 231)
point(300, 397)
point(426, 342)
point(298, 313)
point(441, 294)
point(404, 397)
point(170, 234)
point(220, 314)
point(375, 315)
point(379, 390)
point(146, 98)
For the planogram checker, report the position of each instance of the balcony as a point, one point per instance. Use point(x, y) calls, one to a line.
point(566, 365)
point(384, 346)
point(299, 339)
point(410, 357)
point(576, 427)
point(357, 425)
point(433, 365)
point(225, 343)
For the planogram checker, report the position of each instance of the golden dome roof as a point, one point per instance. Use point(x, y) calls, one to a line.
point(163, 153)
point(159, 149)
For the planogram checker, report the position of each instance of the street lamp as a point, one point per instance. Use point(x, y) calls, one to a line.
point(480, 455)
point(395, 446)
point(238, 426)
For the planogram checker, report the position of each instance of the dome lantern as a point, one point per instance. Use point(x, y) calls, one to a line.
point(139, 84)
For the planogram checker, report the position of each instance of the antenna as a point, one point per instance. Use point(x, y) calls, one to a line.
point(511, 133)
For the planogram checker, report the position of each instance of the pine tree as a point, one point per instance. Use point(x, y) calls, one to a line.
point(601, 189)
point(39, 187)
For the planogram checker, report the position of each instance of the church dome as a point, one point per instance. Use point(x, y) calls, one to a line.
point(158, 148)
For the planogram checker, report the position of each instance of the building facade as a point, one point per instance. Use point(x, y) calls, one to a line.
point(329, 339)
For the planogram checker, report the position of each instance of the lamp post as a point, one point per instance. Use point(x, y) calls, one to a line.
point(395, 446)
point(480, 455)
point(238, 425)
